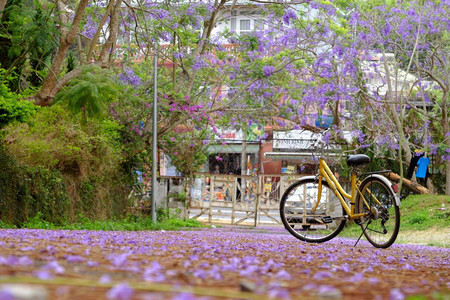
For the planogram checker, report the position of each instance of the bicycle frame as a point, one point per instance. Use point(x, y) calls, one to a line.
point(325, 173)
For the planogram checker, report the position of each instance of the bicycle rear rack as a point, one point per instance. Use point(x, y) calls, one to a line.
point(377, 172)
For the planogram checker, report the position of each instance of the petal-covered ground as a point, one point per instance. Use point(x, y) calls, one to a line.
point(214, 263)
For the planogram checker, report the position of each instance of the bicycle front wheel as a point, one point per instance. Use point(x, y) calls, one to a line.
point(382, 224)
point(308, 218)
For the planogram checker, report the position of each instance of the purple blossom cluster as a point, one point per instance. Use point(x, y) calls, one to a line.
point(129, 77)
point(90, 28)
point(195, 112)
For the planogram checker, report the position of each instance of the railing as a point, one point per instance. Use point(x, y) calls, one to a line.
point(238, 199)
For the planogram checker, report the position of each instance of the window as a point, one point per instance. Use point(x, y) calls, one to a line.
point(244, 25)
point(233, 24)
point(259, 24)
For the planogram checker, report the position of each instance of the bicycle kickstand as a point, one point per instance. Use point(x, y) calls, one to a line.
point(361, 234)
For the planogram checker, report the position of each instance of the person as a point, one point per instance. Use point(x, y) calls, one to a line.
point(216, 169)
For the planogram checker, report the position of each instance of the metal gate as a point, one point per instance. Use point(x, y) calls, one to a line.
point(238, 199)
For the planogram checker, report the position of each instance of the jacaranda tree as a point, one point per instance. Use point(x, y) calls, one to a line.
point(312, 59)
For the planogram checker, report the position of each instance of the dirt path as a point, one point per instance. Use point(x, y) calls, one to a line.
point(216, 263)
point(433, 236)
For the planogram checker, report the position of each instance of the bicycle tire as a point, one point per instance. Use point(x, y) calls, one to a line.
point(382, 225)
point(296, 207)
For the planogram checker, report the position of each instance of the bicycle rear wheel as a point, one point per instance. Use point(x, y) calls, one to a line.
point(306, 221)
point(382, 224)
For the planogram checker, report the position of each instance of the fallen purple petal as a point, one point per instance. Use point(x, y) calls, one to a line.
point(122, 291)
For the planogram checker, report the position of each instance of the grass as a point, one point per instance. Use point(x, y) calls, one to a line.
point(130, 223)
point(423, 219)
point(422, 212)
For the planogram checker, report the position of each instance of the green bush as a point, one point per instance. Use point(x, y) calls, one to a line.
point(38, 222)
point(26, 191)
point(13, 109)
point(54, 141)
point(87, 162)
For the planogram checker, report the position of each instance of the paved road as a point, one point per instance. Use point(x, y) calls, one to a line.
point(213, 263)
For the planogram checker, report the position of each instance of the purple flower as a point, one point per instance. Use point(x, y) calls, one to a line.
point(396, 294)
point(154, 273)
point(24, 249)
point(184, 296)
point(129, 77)
point(43, 275)
point(55, 266)
point(390, 259)
point(105, 279)
point(120, 292)
point(92, 263)
point(90, 28)
point(326, 291)
point(74, 259)
point(322, 275)
point(283, 275)
point(386, 30)
point(202, 274)
point(345, 267)
point(200, 63)
point(278, 292)
point(268, 70)
point(6, 295)
point(373, 280)
point(357, 277)
point(290, 14)
point(178, 55)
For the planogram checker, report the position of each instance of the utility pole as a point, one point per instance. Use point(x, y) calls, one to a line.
point(155, 135)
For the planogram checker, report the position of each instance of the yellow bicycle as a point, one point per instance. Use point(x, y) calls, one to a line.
point(316, 208)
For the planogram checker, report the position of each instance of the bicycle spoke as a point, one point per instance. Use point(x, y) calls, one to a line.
point(383, 216)
point(307, 218)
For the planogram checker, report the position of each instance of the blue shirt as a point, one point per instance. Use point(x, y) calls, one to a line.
point(422, 167)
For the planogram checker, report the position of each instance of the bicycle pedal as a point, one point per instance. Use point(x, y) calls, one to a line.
point(327, 219)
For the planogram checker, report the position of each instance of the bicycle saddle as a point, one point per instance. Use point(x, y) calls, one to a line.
point(357, 159)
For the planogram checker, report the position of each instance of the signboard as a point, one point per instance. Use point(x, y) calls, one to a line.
point(294, 140)
point(231, 135)
point(236, 136)
point(299, 140)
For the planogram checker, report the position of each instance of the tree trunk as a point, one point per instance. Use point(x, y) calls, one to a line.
point(412, 186)
point(98, 32)
point(108, 48)
point(2, 7)
point(243, 164)
point(398, 120)
point(445, 127)
point(44, 97)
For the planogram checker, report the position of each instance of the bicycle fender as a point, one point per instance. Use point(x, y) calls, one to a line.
point(307, 178)
point(388, 184)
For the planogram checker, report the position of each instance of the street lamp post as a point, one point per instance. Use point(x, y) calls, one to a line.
point(155, 136)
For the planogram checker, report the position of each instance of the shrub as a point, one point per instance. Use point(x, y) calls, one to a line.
point(88, 162)
point(54, 141)
point(26, 191)
point(13, 109)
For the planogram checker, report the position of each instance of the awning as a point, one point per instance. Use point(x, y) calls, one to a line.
point(233, 148)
